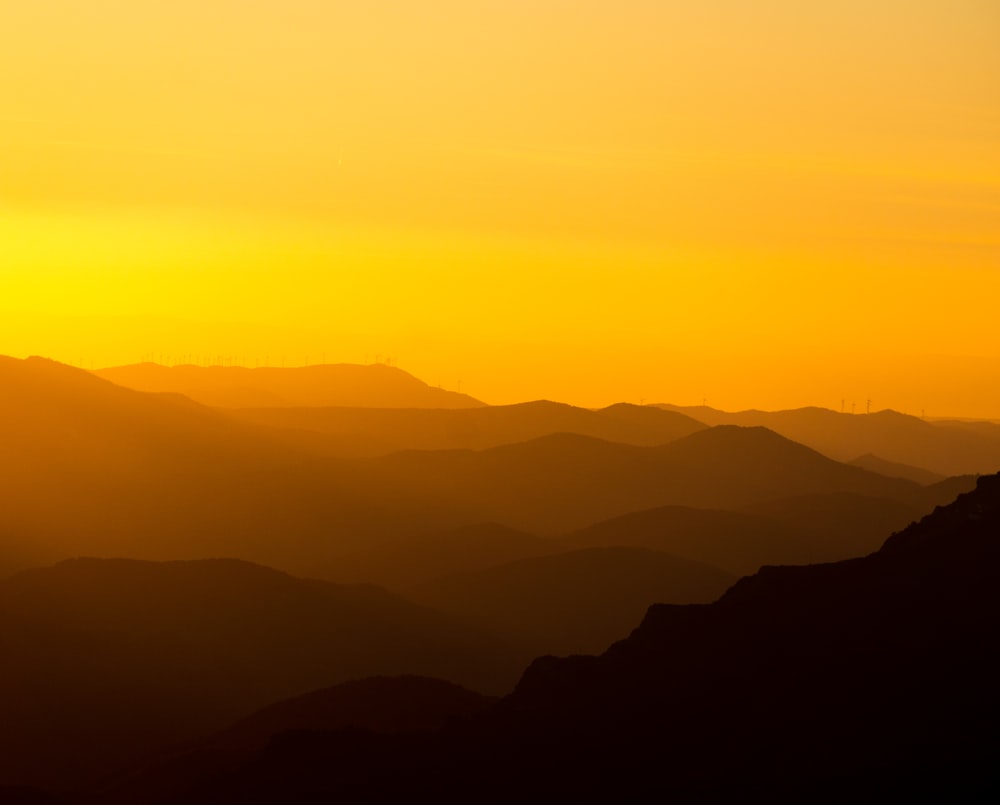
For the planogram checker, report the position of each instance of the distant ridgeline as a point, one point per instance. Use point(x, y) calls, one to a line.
point(374, 385)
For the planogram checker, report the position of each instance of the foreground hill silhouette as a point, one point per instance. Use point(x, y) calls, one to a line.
point(106, 660)
point(868, 679)
point(386, 705)
point(380, 704)
point(369, 385)
point(941, 447)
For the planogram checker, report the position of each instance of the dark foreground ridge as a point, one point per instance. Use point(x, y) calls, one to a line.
point(873, 678)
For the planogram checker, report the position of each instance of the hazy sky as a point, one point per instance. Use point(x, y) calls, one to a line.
point(767, 203)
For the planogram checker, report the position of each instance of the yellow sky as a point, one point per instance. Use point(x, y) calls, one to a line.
point(773, 203)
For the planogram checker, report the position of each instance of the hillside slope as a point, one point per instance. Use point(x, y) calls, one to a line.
point(872, 678)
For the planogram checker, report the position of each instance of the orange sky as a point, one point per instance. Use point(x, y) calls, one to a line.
point(763, 204)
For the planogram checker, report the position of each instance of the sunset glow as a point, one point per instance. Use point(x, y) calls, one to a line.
point(771, 204)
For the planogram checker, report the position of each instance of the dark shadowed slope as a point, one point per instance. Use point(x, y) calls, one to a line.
point(380, 704)
point(864, 671)
point(403, 562)
point(369, 386)
point(844, 524)
point(805, 529)
point(738, 542)
point(872, 679)
point(938, 447)
point(384, 705)
point(892, 469)
point(105, 660)
point(377, 431)
point(574, 602)
point(947, 490)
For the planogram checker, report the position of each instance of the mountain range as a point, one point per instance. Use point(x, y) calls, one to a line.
point(91, 468)
point(504, 533)
point(867, 679)
point(941, 447)
point(106, 661)
point(379, 431)
point(577, 602)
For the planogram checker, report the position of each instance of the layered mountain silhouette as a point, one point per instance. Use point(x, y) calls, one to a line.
point(775, 532)
point(369, 385)
point(91, 468)
point(892, 469)
point(380, 704)
point(87, 464)
point(941, 447)
point(384, 705)
point(378, 431)
point(564, 482)
point(575, 602)
point(108, 660)
point(519, 530)
point(987, 428)
point(872, 678)
point(402, 563)
point(845, 524)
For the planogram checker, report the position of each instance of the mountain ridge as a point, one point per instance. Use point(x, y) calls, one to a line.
point(106, 660)
point(872, 677)
point(370, 385)
point(945, 448)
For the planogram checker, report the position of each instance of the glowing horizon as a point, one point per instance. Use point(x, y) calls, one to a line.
point(763, 207)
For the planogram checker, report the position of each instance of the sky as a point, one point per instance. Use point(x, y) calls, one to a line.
point(766, 204)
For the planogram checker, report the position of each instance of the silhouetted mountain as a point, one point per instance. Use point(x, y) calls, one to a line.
point(947, 490)
point(370, 386)
point(892, 469)
point(380, 704)
point(564, 482)
point(377, 431)
point(739, 542)
point(105, 660)
point(811, 680)
point(574, 602)
point(844, 524)
point(92, 468)
point(403, 563)
point(87, 464)
point(940, 447)
point(383, 705)
point(990, 429)
point(868, 679)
